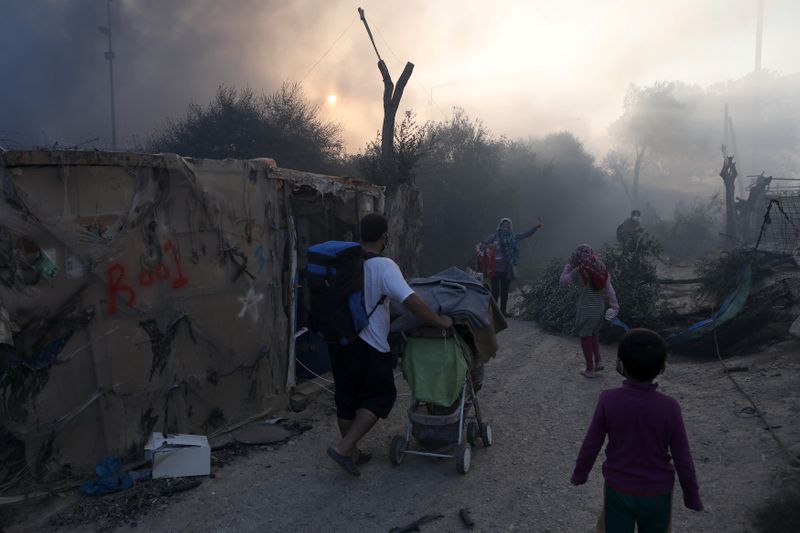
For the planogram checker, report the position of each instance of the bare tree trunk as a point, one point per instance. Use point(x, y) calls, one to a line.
point(404, 214)
point(637, 169)
point(627, 191)
point(728, 175)
point(748, 211)
point(391, 102)
point(403, 201)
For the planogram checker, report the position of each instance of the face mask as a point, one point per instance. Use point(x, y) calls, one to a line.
point(635, 218)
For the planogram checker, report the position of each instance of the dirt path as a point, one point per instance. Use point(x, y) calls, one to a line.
point(539, 407)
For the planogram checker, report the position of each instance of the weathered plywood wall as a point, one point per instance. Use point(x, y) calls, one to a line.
point(143, 293)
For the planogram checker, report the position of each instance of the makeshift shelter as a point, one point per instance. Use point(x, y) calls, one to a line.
point(144, 293)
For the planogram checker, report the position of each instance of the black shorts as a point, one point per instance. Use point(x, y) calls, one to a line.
point(364, 379)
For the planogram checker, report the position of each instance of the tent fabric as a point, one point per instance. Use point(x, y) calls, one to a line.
point(731, 306)
point(435, 368)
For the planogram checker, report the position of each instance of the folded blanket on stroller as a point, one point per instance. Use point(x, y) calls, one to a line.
point(451, 292)
point(455, 293)
point(435, 368)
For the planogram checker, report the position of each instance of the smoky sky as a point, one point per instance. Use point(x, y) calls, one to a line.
point(525, 68)
point(167, 54)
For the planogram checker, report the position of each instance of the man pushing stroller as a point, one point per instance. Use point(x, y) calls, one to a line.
point(363, 369)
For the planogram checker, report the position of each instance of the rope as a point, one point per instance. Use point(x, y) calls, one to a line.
point(312, 372)
point(755, 410)
point(320, 385)
point(323, 387)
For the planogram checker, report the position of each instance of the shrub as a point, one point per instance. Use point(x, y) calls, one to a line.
point(549, 303)
point(552, 305)
point(635, 280)
point(693, 230)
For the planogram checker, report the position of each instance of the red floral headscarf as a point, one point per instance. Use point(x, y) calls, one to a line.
point(591, 269)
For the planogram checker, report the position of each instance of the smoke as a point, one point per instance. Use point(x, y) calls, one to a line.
point(167, 54)
point(524, 68)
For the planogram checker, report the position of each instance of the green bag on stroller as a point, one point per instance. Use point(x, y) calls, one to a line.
point(435, 368)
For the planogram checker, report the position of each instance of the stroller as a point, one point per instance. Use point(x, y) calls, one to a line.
point(444, 416)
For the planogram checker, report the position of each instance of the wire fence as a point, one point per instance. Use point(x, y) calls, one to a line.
point(782, 233)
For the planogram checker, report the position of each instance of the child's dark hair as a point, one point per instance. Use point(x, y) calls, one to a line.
point(643, 353)
point(373, 226)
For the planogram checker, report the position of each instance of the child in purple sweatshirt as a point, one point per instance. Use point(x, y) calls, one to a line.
point(647, 443)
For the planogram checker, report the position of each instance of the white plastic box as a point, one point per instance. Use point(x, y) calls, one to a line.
point(178, 455)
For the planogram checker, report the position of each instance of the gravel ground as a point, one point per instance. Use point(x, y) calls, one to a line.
point(539, 408)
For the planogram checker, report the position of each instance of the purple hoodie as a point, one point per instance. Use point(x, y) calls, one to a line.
point(643, 426)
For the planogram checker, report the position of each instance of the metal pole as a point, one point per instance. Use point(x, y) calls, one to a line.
point(757, 89)
point(759, 33)
point(110, 56)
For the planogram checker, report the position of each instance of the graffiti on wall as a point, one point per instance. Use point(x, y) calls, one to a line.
point(259, 253)
point(116, 274)
point(250, 304)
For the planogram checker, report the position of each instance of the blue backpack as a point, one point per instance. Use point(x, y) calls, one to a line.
point(336, 285)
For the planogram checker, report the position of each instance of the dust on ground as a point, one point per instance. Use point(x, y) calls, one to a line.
point(539, 407)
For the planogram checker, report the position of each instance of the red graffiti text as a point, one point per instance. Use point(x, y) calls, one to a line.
point(116, 274)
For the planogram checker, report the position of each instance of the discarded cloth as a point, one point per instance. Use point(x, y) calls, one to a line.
point(110, 478)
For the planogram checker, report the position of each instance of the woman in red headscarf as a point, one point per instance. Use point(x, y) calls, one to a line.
point(591, 275)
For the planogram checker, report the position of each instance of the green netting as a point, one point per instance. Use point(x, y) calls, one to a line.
point(435, 368)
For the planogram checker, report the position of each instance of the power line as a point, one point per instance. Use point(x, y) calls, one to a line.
point(329, 49)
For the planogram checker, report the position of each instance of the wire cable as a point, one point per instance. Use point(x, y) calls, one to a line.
point(329, 49)
point(312, 372)
point(755, 410)
point(400, 63)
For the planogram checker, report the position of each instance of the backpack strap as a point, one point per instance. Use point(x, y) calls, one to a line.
point(383, 299)
point(367, 257)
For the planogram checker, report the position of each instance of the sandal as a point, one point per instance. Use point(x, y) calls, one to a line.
point(587, 374)
point(345, 462)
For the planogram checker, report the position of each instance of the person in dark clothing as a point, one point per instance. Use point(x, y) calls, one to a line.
point(630, 230)
point(506, 254)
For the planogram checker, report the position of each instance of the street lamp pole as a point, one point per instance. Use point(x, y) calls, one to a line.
point(109, 55)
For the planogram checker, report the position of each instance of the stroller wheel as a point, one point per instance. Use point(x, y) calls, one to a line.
point(397, 449)
point(463, 458)
point(473, 432)
point(486, 434)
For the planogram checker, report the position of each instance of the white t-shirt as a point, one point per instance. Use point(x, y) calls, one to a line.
point(382, 276)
